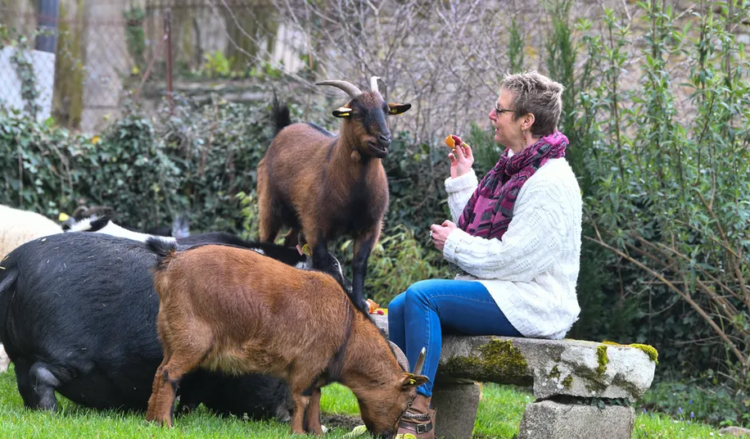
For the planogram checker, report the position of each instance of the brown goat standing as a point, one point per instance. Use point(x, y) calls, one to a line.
point(327, 186)
point(234, 310)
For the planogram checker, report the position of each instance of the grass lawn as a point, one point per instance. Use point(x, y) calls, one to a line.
point(500, 413)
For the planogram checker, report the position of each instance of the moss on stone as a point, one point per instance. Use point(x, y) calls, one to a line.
point(499, 361)
point(594, 386)
point(567, 382)
point(554, 373)
point(651, 351)
point(602, 358)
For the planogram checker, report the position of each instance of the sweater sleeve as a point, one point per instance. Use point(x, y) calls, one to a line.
point(460, 190)
point(528, 248)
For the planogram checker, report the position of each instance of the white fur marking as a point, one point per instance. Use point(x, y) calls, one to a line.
point(113, 229)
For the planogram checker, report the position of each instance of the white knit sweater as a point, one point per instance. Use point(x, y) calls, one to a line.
point(532, 272)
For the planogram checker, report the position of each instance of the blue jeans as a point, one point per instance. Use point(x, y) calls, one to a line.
point(417, 318)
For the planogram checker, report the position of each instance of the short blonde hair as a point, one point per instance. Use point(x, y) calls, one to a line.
point(536, 94)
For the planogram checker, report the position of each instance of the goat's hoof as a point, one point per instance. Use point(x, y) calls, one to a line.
point(364, 306)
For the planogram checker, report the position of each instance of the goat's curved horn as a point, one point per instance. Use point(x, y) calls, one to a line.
point(374, 84)
point(420, 362)
point(400, 357)
point(350, 89)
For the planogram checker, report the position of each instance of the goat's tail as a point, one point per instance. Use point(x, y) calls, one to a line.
point(165, 250)
point(8, 276)
point(281, 117)
point(8, 285)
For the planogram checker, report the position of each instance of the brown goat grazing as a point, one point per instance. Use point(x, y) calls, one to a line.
point(325, 185)
point(234, 310)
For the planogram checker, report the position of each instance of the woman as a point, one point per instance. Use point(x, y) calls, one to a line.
point(517, 240)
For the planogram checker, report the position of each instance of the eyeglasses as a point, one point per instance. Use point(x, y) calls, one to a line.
point(500, 111)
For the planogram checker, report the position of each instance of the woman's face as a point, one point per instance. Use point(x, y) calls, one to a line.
point(507, 130)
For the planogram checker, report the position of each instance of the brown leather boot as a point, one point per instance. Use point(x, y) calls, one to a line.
point(418, 421)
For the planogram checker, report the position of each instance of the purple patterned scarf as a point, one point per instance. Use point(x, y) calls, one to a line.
point(490, 208)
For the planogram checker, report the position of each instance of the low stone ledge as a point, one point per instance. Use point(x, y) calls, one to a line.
point(735, 432)
point(555, 367)
point(552, 420)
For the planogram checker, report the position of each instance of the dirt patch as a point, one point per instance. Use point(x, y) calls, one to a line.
point(340, 421)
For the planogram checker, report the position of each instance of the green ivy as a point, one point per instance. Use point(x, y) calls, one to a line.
point(25, 72)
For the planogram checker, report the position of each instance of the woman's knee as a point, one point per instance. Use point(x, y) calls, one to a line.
point(419, 292)
point(396, 310)
point(396, 305)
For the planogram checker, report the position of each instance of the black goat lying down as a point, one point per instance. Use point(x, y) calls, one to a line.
point(79, 318)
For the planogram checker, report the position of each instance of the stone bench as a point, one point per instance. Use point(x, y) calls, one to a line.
point(583, 390)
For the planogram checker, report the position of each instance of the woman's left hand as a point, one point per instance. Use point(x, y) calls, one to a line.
point(439, 234)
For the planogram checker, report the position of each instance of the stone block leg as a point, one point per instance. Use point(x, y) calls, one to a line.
point(552, 420)
point(456, 405)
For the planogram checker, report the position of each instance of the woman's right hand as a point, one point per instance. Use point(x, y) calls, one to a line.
point(461, 160)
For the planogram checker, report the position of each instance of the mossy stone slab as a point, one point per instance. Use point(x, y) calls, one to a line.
point(554, 367)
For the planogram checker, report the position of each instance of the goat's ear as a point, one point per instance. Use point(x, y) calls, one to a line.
point(98, 223)
point(411, 380)
point(398, 108)
point(343, 112)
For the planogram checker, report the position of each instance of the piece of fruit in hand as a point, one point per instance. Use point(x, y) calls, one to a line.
point(452, 141)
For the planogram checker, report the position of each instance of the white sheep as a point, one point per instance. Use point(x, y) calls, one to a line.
point(20, 226)
point(17, 227)
point(4, 360)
